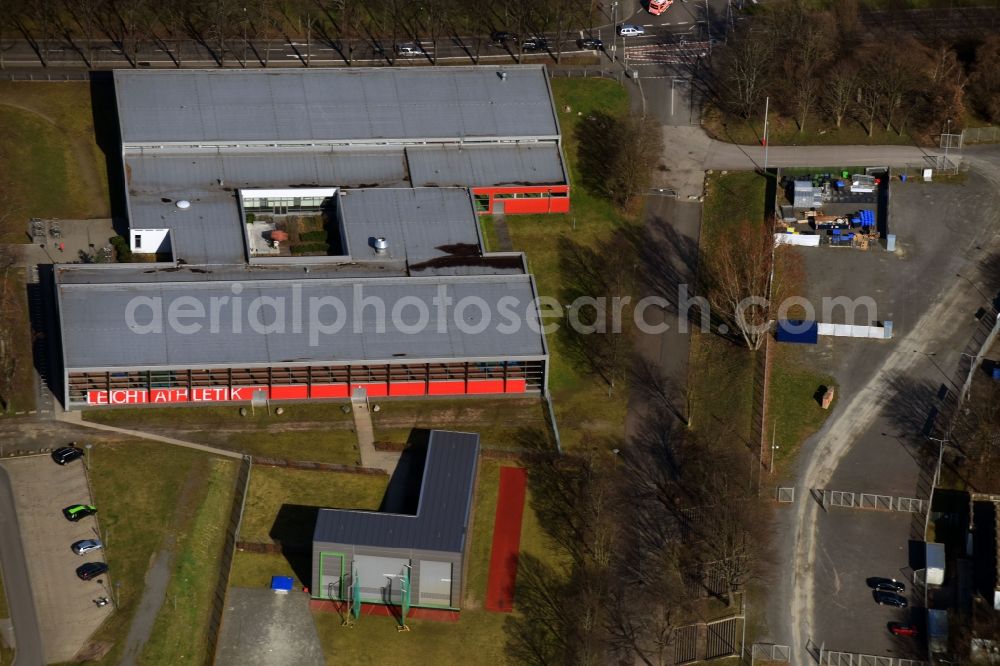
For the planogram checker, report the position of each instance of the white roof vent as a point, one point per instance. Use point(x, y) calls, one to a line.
point(183, 204)
point(381, 245)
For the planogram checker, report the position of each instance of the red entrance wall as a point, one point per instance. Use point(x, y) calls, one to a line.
point(522, 205)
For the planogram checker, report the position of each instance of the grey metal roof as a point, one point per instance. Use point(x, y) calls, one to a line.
point(419, 224)
point(339, 104)
point(522, 164)
point(158, 171)
point(96, 331)
point(209, 232)
point(442, 517)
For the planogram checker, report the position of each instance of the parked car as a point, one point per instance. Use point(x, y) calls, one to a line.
point(77, 511)
point(407, 50)
point(502, 37)
point(886, 584)
point(87, 545)
point(91, 569)
point(67, 454)
point(591, 43)
point(534, 44)
point(890, 599)
point(901, 629)
point(628, 30)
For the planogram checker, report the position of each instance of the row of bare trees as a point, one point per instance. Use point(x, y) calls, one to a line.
point(648, 535)
point(245, 29)
point(815, 62)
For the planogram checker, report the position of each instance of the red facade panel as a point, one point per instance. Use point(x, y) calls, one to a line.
point(526, 206)
point(295, 392)
point(479, 386)
point(330, 391)
point(446, 387)
point(516, 386)
point(406, 388)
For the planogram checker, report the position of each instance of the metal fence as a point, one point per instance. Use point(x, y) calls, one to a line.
point(771, 652)
point(228, 552)
point(981, 134)
point(832, 658)
point(870, 501)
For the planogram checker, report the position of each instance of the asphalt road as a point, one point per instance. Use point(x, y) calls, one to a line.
point(16, 582)
point(875, 441)
point(683, 18)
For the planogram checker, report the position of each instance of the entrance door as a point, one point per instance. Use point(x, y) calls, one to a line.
point(435, 583)
point(498, 206)
point(331, 576)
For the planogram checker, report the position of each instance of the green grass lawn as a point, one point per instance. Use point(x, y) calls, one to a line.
point(14, 319)
point(730, 199)
point(322, 432)
point(50, 163)
point(583, 408)
point(784, 131)
point(256, 569)
point(720, 387)
point(180, 634)
point(795, 414)
point(272, 487)
point(489, 231)
point(439, 642)
point(138, 488)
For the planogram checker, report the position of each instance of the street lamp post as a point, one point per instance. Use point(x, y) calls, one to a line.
point(614, 34)
point(937, 470)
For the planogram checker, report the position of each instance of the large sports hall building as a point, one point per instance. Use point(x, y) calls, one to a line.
point(300, 234)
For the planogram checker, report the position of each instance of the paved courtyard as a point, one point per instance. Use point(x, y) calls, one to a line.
point(263, 628)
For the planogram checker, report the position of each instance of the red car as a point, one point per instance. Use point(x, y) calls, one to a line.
point(900, 629)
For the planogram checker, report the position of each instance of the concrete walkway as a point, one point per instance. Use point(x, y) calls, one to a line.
point(689, 152)
point(370, 457)
point(77, 419)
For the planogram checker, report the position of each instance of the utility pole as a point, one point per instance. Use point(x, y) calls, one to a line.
point(947, 143)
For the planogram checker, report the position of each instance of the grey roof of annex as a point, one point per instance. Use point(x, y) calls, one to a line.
point(331, 105)
point(442, 516)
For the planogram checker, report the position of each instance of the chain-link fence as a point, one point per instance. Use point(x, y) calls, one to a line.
point(989, 134)
point(771, 652)
point(228, 552)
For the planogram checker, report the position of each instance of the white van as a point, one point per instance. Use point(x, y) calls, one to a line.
point(627, 30)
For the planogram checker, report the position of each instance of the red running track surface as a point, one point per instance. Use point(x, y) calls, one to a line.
point(506, 540)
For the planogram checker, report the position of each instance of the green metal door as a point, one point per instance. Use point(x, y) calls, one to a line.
point(331, 576)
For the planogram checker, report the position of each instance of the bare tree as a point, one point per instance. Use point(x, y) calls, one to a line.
point(739, 275)
point(984, 83)
point(803, 63)
point(743, 73)
point(869, 98)
point(840, 91)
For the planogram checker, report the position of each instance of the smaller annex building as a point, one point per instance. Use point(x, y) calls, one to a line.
point(422, 537)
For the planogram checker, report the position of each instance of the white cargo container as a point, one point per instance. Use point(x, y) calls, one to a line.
point(935, 563)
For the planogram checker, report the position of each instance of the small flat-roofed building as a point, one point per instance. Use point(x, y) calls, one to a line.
point(423, 534)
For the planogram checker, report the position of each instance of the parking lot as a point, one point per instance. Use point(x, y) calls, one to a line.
point(67, 615)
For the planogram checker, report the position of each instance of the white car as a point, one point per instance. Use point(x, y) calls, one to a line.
point(627, 30)
point(86, 546)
